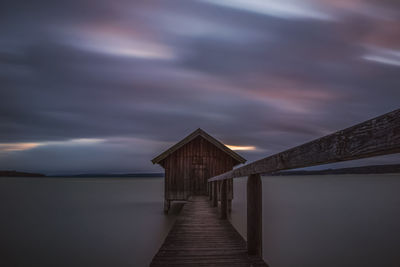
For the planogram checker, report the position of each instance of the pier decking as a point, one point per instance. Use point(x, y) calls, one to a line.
point(200, 238)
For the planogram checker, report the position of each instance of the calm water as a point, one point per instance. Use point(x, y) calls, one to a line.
point(308, 221)
point(341, 220)
point(81, 222)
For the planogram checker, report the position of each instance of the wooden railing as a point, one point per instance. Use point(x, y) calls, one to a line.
point(378, 136)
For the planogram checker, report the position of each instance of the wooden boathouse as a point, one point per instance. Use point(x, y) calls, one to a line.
point(202, 234)
point(189, 163)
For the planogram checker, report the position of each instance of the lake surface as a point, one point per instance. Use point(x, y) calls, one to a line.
point(344, 220)
point(81, 221)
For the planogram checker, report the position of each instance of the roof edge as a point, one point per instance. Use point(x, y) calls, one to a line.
point(190, 137)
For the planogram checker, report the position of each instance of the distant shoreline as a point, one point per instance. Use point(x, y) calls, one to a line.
point(20, 174)
point(123, 175)
point(371, 169)
point(89, 175)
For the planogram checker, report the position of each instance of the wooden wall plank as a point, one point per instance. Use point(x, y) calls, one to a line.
point(192, 165)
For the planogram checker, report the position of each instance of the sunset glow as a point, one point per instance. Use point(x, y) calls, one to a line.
point(17, 146)
point(9, 147)
point(248, 148)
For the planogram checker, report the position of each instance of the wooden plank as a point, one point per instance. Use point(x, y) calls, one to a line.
point(200, 238)
point(254, 215)
point(375, 137)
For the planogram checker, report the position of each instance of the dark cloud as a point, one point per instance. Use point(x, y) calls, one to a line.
point(140, 75)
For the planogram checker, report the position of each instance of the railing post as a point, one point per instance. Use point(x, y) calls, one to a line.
point(224, 199)
point(209, 184)
point(217, 186)
point(230, 194)
point(254, 215)
point(219, 190)
point(215, 195)
point(167, 205)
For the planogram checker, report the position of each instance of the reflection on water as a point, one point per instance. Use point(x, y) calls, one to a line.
point(347, 220)
point(343, 220)
point(81, 222)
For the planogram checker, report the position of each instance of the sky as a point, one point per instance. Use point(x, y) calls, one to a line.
point(105, 86)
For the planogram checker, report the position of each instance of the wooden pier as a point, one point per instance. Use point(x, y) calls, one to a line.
point(200, 237)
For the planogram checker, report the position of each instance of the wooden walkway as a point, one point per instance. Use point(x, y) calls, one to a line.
point(200, 238)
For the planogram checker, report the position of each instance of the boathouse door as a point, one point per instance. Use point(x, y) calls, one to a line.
point(199, 180)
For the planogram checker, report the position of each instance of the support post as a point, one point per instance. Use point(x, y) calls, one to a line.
point(219, 190)
point(254, 215)
point(210, 190)
point(167, 205)
point(224, 199)
point(215, 195)
point(230, 194)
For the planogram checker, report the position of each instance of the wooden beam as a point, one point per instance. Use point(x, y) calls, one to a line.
point(224, 200)
point(254, 215)
point(375, 137)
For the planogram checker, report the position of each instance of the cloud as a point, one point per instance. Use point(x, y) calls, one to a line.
point(383, 56)
point(11, 147)
point(113, 41)
point(283, 9)
point(137, 76)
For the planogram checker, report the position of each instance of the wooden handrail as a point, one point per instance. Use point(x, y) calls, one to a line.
point(378, 136)
point(375, 137)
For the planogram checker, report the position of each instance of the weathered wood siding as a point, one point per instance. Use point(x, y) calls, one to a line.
point(190, 166)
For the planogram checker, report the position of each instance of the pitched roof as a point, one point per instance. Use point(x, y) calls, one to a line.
point(190, 137)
